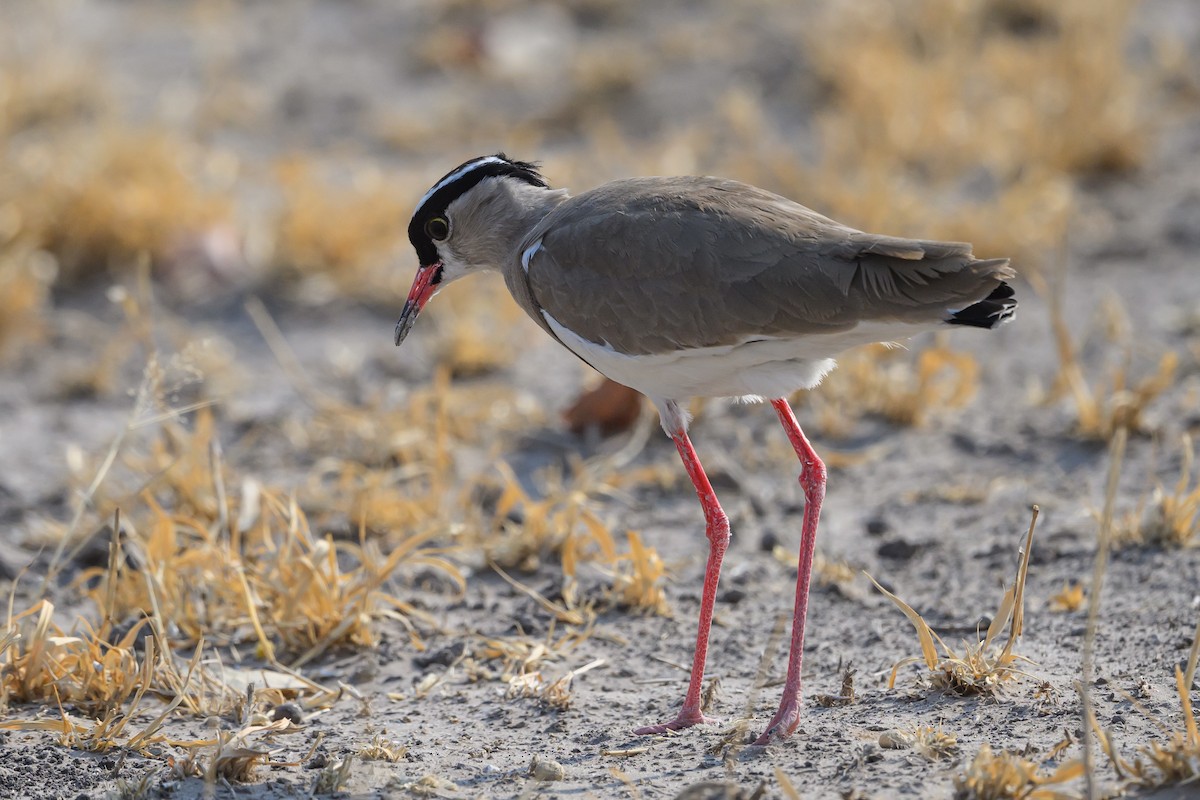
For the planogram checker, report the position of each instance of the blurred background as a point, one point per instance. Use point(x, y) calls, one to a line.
point(279, 146)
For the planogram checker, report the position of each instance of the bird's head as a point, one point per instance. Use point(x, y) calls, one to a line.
point(465, 224)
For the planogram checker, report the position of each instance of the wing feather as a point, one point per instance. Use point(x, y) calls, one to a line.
point(653, 265)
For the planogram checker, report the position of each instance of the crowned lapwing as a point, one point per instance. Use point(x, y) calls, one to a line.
point(699, 287)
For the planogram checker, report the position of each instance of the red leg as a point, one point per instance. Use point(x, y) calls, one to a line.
point(717, 530)
point(812, 481)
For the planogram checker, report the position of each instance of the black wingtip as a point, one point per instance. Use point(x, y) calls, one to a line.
point(997, 308)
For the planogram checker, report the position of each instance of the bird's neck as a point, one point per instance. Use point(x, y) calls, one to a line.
point(502, 212)
point(530, 206)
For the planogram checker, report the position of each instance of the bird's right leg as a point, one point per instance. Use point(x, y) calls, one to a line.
point(717, 529)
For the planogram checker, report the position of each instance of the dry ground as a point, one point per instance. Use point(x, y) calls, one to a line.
point(342, 567)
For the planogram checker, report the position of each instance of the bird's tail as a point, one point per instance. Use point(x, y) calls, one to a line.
point(997, 308)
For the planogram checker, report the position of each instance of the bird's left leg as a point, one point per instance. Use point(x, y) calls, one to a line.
point(812, 481)
point(717, 529)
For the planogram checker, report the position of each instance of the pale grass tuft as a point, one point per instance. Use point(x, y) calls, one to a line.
point(980, 667)
point(555, 694)
point(41, 663)
point(1069, 598)
point(143, 788)
point(638, 577)
point(232, 756)
point(333, 777)
point(381, 749)
point(58, 89)
point(845, 696)
point(106, 682)
point(112, 196)
point(429, 786)
point(525, 530)
point(522, 661)
point(1169, 517)
point(933, 743)
point(930, 743)
point(517, 656)
point(1109, 403)
point(1009, 776)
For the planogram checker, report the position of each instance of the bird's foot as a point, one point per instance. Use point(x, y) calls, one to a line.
point(683, 720)
point(782, 725)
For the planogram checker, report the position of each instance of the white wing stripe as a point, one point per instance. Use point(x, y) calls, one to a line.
point(529, 253)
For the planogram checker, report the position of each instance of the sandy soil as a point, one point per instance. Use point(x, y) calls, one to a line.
point(938, 515)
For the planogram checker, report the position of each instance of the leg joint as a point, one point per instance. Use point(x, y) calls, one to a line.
point(718, 528)
point(813, 478)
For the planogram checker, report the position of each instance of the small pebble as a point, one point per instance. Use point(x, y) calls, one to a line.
point(443, 657)
point(289, 711)
point(895, 740)
point(546, 769)
point(898, 549)
point(733, 596)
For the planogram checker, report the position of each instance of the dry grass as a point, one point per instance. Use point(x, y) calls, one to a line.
point(526, 529)
point(846, 694)
point(1102, 404)
point(42, 663)
point(99, 674)
point(932, 744)
point(979, 667)
point(1005, 776)
point(1168, 517)
point(231, 757)
point(109, 198)
point(638, 577)
point(381, 749)
point(244, 561)
point(1069, 598)
point(518, 662)
point(102, 679)
point(1173, 762)
point(554, 694)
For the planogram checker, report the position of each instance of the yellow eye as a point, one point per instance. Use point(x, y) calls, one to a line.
point(437, 228)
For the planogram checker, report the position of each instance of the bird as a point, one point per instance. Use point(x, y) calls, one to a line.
point(683, 287)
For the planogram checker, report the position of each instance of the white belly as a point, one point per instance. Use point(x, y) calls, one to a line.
point(762, 368)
